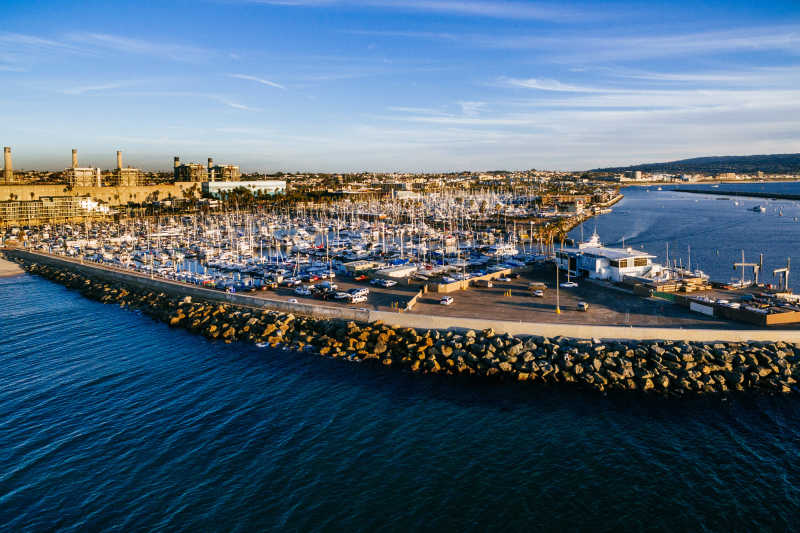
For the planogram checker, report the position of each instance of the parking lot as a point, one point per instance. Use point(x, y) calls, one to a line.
point(512, 300)
point(379, 298)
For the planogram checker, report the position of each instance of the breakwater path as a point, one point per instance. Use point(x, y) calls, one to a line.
point(667, 367)
point(420, 321)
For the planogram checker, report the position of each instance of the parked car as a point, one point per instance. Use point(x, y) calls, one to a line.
point(292, 300)
point(358, 299)
point(539, 293)
point(446, 300)
point(359, 291)
point(362, 277)
point(342, 295)
point(568, 285)
point(302, 291)
point(388, 283)
point(583, 306)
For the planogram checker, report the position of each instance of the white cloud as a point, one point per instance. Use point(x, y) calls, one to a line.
point(475, 8)
point(95, 88)
point(129, 45)
point(471, 109)
point(262, 81)
point(547, 85)
point(597, 46)
point(237, 105)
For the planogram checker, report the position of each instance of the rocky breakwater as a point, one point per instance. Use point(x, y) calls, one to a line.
point(664, 367)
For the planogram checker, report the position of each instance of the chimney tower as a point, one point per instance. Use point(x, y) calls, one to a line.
point(8, 170)
point(74, 158)
point(177, 161)
point(119, 159)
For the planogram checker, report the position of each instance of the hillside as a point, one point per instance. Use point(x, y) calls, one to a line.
point(744, 164)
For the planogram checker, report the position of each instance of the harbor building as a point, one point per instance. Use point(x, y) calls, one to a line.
point(125, 177)
point(215, 189)
point(593, 260)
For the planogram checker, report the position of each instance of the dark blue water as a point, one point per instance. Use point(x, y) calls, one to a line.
point(785, 187)
point(716, 229)
point(109, 420)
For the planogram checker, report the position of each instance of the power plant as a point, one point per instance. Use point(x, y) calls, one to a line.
point(82, 176)
point(125, 177)
point(199, 173)
point(120, 176)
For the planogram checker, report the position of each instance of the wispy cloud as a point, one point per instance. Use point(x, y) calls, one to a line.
point(476, 8)
point(237, 105)
point(547, 85)
point(178, 52)
point(262, 81)
point(597, 46)
point(31, 41)
point(471, 109)
point(95, 88)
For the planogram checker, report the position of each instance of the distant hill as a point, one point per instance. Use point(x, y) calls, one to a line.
point(744, 164)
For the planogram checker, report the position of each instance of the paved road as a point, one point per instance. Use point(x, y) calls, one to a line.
point(606, 306)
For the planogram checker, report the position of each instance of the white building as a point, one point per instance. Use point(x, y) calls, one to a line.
point(213, 189)
point(593, 260)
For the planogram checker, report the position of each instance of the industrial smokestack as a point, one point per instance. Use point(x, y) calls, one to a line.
point(177, 161)
point(74, 158)
point(8, 170)
point(210, 163)
point(119, 159)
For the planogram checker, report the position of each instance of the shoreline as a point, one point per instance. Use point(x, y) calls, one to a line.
point(9, 269)
point(664, 367)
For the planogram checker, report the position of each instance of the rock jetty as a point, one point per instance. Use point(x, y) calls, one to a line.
point(664, 367)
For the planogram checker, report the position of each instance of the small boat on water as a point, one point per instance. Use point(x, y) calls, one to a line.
point(759, 209)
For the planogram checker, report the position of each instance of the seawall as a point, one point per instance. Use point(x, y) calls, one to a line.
point(409, 320)
point(665, 367)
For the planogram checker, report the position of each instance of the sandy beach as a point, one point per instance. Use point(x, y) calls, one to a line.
point(8, 268)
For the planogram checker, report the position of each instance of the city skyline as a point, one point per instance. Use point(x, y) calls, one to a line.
point(327, 85)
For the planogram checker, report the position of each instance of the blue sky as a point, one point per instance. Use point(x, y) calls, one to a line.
point(421, 85)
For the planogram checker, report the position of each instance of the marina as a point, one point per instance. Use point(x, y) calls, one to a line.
point(401, 257)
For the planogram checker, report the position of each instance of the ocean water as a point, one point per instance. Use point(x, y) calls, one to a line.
point(111, 421)
point(710, 230)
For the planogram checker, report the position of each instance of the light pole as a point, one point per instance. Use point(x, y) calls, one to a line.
point(558, 299)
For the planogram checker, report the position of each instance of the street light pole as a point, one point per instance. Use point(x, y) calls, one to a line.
point(558, 299)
